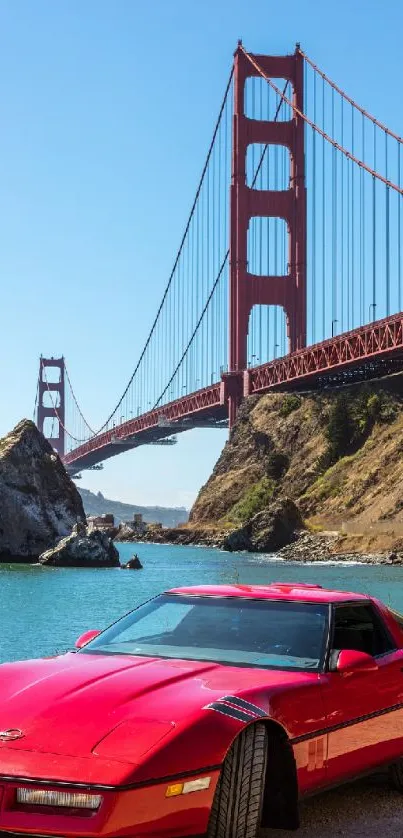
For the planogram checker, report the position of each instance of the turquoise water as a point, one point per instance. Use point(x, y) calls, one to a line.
point(43, 610)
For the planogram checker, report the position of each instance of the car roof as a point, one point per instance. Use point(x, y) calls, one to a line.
point(296, 591)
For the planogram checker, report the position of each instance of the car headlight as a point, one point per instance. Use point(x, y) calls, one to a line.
point(66, 799)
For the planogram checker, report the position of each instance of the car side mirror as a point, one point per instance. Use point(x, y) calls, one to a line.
point(86, 637)
point(349, 662)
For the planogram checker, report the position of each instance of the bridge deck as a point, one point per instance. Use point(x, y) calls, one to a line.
point(368, 352)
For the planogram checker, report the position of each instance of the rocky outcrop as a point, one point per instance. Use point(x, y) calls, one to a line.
point(144, 532)
point(330, 547)
point(267, 531)
point(337, 454)
point(83, 548)
point(133, 564)
point(39, 503)
point(174, 535)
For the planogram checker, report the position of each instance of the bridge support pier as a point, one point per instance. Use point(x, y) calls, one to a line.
point(57, 395)
point(247, 289)
point(232, 392)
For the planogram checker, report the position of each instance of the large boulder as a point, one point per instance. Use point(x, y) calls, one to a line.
point(267, 531)
point(39, 503)
point(91, 548)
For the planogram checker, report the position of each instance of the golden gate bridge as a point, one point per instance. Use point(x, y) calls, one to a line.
point(288, 274)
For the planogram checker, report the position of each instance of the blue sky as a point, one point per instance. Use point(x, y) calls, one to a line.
point(107, 112)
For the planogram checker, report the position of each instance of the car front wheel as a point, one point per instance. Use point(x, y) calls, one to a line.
point(238, 801)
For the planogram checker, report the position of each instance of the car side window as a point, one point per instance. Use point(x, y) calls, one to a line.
point(361, 628)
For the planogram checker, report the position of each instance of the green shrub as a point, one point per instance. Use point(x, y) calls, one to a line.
point(351, 420)
point(254, 500)
point(290, 403)
point(340, 429)
point(277, 465)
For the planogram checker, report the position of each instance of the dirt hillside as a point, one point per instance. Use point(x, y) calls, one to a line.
point(337, 454)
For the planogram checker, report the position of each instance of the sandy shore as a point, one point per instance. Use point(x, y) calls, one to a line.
point(366, 809)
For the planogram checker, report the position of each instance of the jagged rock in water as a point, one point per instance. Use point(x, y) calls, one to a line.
point(83, 549)
point(39, 503)
point(267, 531)
point(133, 564)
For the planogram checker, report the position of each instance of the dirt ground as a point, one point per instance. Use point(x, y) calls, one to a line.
point(366, 809)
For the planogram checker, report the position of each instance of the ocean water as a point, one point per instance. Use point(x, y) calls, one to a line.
point(43, 610)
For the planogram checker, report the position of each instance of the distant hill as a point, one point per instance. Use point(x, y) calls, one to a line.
point(97, 504)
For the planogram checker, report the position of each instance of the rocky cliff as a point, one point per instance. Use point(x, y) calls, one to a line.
point(336, 454)
point(38, 502)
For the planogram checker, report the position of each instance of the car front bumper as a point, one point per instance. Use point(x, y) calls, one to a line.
point(144, 812)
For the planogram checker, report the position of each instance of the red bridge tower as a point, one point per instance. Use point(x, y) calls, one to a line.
point(247, 289)
point(55, 391)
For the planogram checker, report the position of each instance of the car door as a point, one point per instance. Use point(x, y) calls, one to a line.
point(364, 709)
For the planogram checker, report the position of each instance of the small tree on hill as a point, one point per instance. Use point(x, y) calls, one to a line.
point(340, 429)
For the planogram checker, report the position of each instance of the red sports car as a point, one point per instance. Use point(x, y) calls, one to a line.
point(206, 711)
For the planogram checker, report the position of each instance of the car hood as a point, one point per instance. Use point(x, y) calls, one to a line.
point(117, 707)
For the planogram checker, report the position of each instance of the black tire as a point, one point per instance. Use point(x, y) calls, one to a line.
point(238, 801)
point(396, 775)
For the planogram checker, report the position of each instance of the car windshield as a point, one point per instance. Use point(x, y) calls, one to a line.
point(241, 632)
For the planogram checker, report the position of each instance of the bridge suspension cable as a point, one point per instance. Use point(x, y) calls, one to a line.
point(348, 98)
point(354, 237)
point(73, 395)
point(320, 131)
point(354, 193)
point(184, 297)
point(256, 172)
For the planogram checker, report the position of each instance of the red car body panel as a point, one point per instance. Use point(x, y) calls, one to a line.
point(126, 727)
point(279, 591)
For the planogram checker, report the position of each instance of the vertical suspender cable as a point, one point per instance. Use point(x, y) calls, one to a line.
point(352, 223)
point(387, 232)
point(323, 221)
point(348, 245)
point(342, 219)
point(207, 320)
point(362, 229)
point(212, 265)
point(374, 233)
point(399, 259)
point(334, 225)
point(314, 183)
point(218, 324)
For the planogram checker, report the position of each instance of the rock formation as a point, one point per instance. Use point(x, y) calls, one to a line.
point(334, 454)
point(133, 564)
point(267, 531)
point(83, 548)
point(39, 503)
